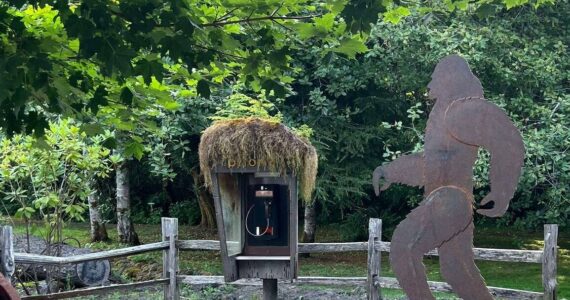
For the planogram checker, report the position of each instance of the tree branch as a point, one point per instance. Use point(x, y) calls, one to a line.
point(264, 18)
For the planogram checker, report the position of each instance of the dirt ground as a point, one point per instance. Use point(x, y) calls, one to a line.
point(286, 291)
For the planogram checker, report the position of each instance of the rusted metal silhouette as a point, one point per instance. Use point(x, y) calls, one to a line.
point(7, 291)
point(460, 122)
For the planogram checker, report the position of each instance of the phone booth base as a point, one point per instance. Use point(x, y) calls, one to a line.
point(257, 217)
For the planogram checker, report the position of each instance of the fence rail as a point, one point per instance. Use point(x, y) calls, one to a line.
point(170, 246)
point(504, 255)
point(27, 258)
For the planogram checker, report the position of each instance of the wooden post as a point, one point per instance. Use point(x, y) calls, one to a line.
point(7, 265)
point(549, 261)
point(373, 281)
point(269, 289)
point(170, 258)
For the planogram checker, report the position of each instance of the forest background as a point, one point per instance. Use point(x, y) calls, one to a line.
point(119, 93)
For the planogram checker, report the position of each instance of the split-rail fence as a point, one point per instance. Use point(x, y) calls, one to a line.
point(171, 280)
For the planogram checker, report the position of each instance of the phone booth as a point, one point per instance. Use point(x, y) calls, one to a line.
point(256, 212)
point(255, 170)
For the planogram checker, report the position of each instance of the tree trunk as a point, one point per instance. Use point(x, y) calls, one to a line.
point(205, 200)
point(207, 213)
point(310, 225)
point(98, 230)
point(125, 228)
point(168, 198)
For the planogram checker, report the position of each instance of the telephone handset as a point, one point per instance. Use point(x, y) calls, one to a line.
point(260, 214)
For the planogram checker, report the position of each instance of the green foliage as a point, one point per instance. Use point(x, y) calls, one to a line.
point(76, 58)
point(50, 178)
point(239, 106)
point(523, 71)
point(187, 212)
point(374, 109)
point(61, 57)
point(153, 73)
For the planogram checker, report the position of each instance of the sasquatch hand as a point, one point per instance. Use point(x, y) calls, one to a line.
point(499, 208)
point(378, 175)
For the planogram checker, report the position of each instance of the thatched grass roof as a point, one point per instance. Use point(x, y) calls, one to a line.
point(273, 147)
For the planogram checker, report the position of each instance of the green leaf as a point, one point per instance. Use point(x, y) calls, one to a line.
point(92, 129)
point(167, 103)
point(149, 68)
point(336, 6)
point(351, 47)
point(325, 22)
point(395, 15)
point(134, 149)
point(203, 88)
point(99, 99)
point(462, 5)
point(486, 10)
point(359, 15)
point(126, 96)
point(305, 30)
point(514, 3)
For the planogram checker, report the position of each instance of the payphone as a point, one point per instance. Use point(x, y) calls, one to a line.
point(266, 222)
point(257, 221)
point(256, 168)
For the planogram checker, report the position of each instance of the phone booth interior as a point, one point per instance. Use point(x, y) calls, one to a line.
point(257, 214)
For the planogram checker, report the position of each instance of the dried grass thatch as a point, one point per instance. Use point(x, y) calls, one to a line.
point(271, 145)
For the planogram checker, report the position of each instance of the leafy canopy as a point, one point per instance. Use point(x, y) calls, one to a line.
point(73, 58)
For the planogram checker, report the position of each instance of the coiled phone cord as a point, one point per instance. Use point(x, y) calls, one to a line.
point(247, 228)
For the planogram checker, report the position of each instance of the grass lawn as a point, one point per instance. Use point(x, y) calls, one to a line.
point(509, 275)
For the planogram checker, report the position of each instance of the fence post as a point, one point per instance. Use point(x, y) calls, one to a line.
point(373, 282)
point(549, 261)
point(170, 258)
point(7, 265)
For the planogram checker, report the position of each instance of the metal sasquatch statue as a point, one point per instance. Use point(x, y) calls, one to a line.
point(460, 122)
point(7, 291)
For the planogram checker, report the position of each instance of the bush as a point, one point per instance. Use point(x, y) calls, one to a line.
point(187, 212)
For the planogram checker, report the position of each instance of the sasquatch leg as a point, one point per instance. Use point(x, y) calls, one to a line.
point(406, 255)
point(444, 213)
point(458, 267)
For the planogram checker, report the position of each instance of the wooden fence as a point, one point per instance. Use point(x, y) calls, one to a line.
point(170, 246)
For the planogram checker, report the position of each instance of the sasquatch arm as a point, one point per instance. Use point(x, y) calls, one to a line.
point(477, 122)
point(407, 169)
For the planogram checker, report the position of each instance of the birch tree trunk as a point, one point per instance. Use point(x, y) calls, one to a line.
point(309, 225)
point(125, 228)
point(98, 230)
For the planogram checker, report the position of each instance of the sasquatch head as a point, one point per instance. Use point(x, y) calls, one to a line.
point(452, 79)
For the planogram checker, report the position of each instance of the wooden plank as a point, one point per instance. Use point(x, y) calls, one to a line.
point(244, 257)
point(385, 282)
point(228, 263)
point(293, 225)
point(98, 290)
point(332, 247)
point(270, 269)
point(198, 245)
point(508, 255)
point(549, 261)
point(392, 283)
point(7, 264)
point(26, 258)
point(170, 258)
point(530, 256)
point(374, 235)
